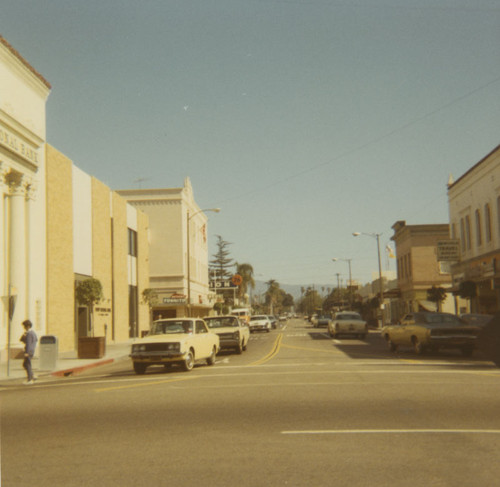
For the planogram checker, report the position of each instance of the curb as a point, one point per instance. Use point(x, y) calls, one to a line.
point(81, 368)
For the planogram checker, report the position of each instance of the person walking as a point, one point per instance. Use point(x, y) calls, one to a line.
point(29, 339)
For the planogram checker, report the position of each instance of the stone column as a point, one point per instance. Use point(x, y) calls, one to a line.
point(3, 249)
point(17, 255)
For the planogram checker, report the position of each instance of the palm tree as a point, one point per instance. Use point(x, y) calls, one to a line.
point(246, 272)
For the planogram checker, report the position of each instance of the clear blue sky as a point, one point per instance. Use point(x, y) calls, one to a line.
point(304, 120)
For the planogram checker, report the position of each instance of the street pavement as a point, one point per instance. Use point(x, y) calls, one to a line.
point(67, 363)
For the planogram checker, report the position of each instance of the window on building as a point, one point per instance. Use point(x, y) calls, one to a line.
point(467, 232)
point(498, 214)
point(132, 243)
point(462, 234)
point(487, 223)
point(479, 231)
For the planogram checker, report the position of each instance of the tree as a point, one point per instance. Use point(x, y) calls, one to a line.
point(221, 263)
point(467, 290)
point(436, 295)
point(246, 272)
point(150, 297)
point(272, 294)
point(88, 293)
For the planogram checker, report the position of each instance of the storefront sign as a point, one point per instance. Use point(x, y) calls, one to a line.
point(448, 250)
point(18, 146)
point(222, 284)
point(174, 300)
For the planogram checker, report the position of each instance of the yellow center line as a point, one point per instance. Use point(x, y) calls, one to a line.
point(312, 349)
point(275, 350)
point(144, 384)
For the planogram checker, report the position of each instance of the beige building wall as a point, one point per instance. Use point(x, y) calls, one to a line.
point(417, 264)
point(168, 210)
point(60, 275)
point(143, 268)
point(101, 255)
point(120, 270)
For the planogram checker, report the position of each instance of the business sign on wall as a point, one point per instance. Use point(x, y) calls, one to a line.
point(448, 250)
point(222, 284)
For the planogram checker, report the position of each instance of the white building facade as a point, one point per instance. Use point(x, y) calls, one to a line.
point(474, 207)
point(23, 94)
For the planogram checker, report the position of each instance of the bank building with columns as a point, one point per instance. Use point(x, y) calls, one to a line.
point(58, 227)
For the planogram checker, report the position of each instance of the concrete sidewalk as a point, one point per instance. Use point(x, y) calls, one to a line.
point(68, 363)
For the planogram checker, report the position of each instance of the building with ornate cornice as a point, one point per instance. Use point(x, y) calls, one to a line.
point(474, 206)
point(23, 94)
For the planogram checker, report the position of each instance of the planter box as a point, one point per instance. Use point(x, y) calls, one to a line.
point(91, 347)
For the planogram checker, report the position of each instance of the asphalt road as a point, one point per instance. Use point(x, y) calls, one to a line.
point(296, 409)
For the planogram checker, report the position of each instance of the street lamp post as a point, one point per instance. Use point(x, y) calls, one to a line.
point(350, 278)
point(381, 284)
point(188, 219)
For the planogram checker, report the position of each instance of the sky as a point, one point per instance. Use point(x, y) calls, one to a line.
point(303, 120)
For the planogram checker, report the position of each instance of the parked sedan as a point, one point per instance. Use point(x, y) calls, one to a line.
point(233, 334)
point(260, 323)
point(431, 331)
point(175, 341)
point(348, 323)
point(322, 320)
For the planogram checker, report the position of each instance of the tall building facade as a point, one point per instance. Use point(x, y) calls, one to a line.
point(23, 94)
point(474, 207)
point(178, 231)
point(93, 233)
point(418, 266)
point(58, 227)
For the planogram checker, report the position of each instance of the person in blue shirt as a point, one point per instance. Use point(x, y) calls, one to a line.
point(29, 339)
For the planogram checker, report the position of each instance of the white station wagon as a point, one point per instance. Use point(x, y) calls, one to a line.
point(175, 341)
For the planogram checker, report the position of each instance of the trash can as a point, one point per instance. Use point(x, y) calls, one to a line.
point(48, 352)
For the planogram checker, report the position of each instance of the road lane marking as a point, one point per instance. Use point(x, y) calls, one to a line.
point(392, 432)
point(275, 350)
point(331, 350)
point(144, 384)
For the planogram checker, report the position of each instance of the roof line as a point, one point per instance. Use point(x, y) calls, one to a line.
point(26, 63)
point(474, 166)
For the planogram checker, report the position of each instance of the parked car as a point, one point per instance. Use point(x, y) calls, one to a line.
point(431, 331)
point(348, 323)
point(322, 320)
point(260, 323)
point(274, 321)
point(476, 319)
point(233, 333)
point(175, 341)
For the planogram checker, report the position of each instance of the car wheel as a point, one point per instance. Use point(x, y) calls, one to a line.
point(418, 347)
point(139, 368)
point(245, 346)
point(392, 346)
point(188, 362)
point(239, 348)
point(211, 359)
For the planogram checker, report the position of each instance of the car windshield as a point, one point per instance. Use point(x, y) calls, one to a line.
point(258, 317)
point(171, 327)
point(219, 322)
point(350, 316)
